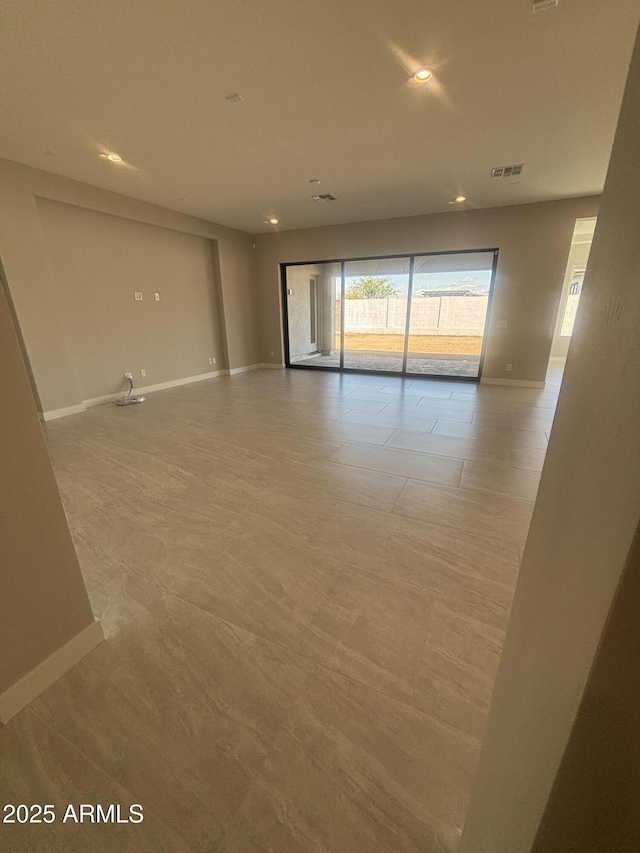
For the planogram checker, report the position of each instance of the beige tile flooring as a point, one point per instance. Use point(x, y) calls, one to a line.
point(305, 580)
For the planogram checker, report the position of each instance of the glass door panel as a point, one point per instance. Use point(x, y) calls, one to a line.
point(312, 304)
point(449, 304)
point(375, 313)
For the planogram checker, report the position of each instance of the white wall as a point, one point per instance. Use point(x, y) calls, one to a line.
point(534, 242)
point(582, 532)
point(42, 310)
point(43, 601)
point(97, 262)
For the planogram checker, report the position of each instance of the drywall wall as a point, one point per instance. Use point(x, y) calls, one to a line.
point(534, 242)
point(584, 523)
point(594, 801)
point(98, 261)
point(43, 601)
point(33, 282)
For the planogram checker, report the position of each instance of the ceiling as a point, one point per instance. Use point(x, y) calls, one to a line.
point(326, 95)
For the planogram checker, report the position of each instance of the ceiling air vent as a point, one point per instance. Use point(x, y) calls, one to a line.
point(507, 171)
point(324, 197)
point(234, 98)
point(541, 5)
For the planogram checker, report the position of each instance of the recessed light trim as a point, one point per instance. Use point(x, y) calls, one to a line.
point(113, 158)
point(272, 220)
point(459, 199)
point(423, 75)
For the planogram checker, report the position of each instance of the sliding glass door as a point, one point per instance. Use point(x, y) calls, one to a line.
point(376, 296)
point(422, 314)
point(449, 304)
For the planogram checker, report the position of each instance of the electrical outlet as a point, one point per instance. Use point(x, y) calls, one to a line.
point(213, 361)
point(210, 361)
point(501, 324)
point(156, 296)
point(509, 366)
point(272, 353)
point(137, 296)
point(143, 373)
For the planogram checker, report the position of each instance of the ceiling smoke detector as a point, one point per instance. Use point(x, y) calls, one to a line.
point(234, 98)
point(324, 197)
point(541, 5)
point(507, 171)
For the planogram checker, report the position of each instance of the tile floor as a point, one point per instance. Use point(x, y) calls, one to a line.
point(305, 580)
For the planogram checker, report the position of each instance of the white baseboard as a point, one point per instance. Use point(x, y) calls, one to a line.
point(245, 369)
point(31, 685)
point(160, 386)
point(54, 414)
point(110, 398)
point(517, 383)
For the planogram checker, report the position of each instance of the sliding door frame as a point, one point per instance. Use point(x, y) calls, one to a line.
point(404, 373)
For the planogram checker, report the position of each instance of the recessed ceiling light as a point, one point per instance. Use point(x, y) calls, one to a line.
point(272, 220)
point(460, 198)
point(422, 75)
point(114, 158)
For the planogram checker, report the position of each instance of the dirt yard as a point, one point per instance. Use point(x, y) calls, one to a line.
point(451, 344)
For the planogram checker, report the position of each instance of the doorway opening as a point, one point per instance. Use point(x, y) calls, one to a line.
point(572, 286)
point(418, 315)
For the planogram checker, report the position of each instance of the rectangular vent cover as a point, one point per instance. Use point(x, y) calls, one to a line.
point(324, 197)
point(541, 5)
point(507, 171)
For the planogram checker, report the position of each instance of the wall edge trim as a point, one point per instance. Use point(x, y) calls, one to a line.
point(31, 685)
point(521, 383)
